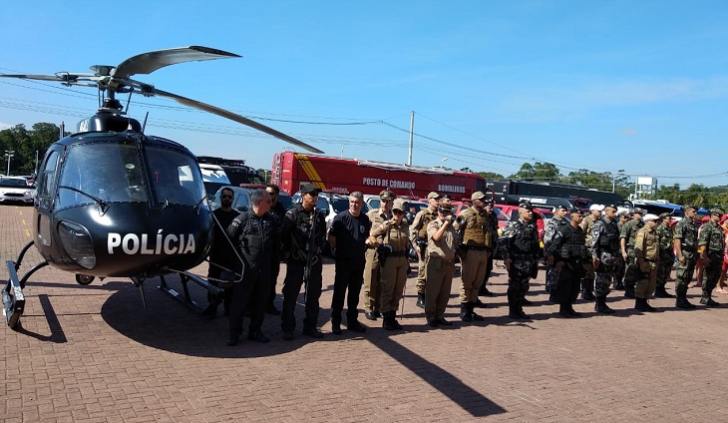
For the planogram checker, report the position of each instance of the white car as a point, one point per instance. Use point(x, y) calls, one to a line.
point(16, 189)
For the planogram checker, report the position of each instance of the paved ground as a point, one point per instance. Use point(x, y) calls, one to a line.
point(93, 353)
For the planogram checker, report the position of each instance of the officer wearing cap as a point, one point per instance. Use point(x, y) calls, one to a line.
point(626, 240)
point(442, 245)
point(303, 233)
point(552, 226)
point(667, 257)
point(587, 225)
point(711, 245)
point(473, 224)
point(686, 244)
point(493, 220)
point(372, 270)
point(418, 236)
point(604, 247)
point(392, 240)
point(624, 217)
point(647, 256)
point(519, 247)
point(567, 253)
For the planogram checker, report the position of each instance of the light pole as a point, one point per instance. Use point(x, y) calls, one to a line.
point(9, 154)
point(444, 159)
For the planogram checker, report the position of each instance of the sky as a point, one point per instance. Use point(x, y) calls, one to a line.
point(604, 86)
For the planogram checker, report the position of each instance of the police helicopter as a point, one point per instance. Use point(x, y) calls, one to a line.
point(113, 201)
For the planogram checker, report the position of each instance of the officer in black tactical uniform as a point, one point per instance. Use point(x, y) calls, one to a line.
point(552, 274)
point(604, 248)
point(255, 235)
point(277, 212)
point(566, 255)
point(519, 248)
point(303, 233)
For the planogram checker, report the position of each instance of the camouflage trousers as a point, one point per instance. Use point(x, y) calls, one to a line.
point(552, 278)
point(684, 272)
point(630, 271)
point(619, 272)
point(711, 274)
point(518, 277)
point(664, 267)
point(604, 274)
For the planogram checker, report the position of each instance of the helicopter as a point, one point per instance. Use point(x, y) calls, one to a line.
point(112, 201)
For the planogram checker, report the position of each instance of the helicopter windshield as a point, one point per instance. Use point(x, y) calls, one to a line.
point(174, 176)
point(108, 172)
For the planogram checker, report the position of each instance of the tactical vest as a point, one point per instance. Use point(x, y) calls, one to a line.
point(574, 246)
point(525, 240)
point(476, 232)
point(304, 224)
point(427, 217)
point(650, 245)
point(609, 241)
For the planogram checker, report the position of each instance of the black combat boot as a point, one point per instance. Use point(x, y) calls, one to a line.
point(601, 305)
point(709, 302)
point(640, 304)
point(553, 297)
point(512, 306)
point(394, 321)
point(573, 312)
point(564, 311)
point(587, 295)
point(388, 322)
point(421, 299)
point(465, 312)
point(471, 307)
point(660, 292)
point(480, 304)
point(683, 303)
point(629, 291)
point(619, 286)
point(484, 292)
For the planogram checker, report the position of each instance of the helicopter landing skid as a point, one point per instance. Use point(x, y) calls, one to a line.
point(13, 298)
point(215, 293)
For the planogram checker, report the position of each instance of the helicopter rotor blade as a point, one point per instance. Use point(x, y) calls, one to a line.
point(234, 117)
point(62, 77)
point(147, 63)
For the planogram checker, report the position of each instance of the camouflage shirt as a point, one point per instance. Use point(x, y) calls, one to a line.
point(665, 233)
point(551, 228)
point(711, 237)
point(629, 233)
point(687, 233)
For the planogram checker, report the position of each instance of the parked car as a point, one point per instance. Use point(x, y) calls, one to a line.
point(16, 189)
point(331, 204)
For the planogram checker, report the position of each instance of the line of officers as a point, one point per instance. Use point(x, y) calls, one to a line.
point(635, 253)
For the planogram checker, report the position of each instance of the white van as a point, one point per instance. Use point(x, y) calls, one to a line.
point(214, 177)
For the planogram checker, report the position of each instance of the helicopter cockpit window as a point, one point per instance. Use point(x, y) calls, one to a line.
point(116, 175)
point(175, 177)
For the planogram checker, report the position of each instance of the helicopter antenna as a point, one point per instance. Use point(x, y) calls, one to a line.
point(144, 125)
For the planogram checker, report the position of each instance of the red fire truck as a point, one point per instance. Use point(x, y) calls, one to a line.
point(333, 174)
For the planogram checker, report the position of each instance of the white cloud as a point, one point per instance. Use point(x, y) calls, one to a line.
point(4, 125)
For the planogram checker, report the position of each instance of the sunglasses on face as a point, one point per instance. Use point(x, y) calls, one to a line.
point(226, 196)
point(397, 212)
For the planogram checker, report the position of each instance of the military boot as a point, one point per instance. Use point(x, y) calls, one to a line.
point(709, 302)
point(395, 323)
point(640, 304)
point(660, 292)
point(587, 295)
point(466, 314)
point(564, 311)
point(421, 299)
point(573, 312)
point(619, 286)
point(388, 321)
point(600, 306)
point(471, 307)
point(512, 307)
point(683, 303)
point(629, 291)
point(552, 296)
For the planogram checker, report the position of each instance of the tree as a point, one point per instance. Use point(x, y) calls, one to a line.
point(538, 171)
point(26, 143)
point(491, 176)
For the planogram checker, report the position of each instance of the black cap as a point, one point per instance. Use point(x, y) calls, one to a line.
point(610, 206)
point(309, 189)
point(664, 215)
point(574, 210)
point(561, 207)
point(525, 204)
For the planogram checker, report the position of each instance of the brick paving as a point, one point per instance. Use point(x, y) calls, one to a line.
point(94, 354)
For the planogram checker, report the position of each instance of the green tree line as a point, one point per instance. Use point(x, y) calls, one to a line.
point(27, 144)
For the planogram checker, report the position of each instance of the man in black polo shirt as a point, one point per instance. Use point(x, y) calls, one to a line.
point(222, 254)
point(348, 235)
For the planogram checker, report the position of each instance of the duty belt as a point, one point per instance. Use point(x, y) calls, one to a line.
point(397, 253)
point(444, 260)
point(477, 247)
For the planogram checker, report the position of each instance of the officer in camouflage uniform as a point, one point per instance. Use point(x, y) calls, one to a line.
point(587, 225)
point(418, 236)
point(647, 256)
point(667, 257)
point(626, 240)
point(372, 270)
point(519, 247)
point(566, 254)
point(619, 274)
point(552, 275)
point(711, 245)
point(686, 244)
point(393, 236)
point(604, 247)
point(473, 224)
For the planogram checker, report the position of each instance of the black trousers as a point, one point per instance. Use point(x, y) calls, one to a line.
point(292, 287)
point(488, 270)
point(214, 272)
point(569, 283)
point(349, 274)
point(275, 271)
point(251, 292)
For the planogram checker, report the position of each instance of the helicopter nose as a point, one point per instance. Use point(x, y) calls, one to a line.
point(77, 243)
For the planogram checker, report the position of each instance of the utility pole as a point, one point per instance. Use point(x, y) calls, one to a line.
point(9, 154)
point(411, 140)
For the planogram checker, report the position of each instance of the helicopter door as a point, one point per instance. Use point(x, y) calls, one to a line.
point(44, 195)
